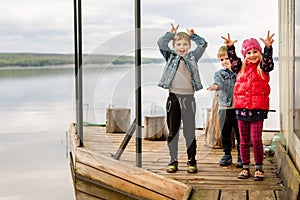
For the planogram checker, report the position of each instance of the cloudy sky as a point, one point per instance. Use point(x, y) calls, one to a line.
point(46, 26)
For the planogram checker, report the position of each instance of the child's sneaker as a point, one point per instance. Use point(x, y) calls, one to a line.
point(172, 167)
point(226, 160)
point(192, 166)
point(239, 163)
point(244, 173)
point(259, 175)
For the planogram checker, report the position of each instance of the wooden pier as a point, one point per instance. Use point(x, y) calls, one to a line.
point(98, 176)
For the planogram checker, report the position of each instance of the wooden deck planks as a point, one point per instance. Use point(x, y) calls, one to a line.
point(120, 176)
point(233, 195)
point(211, 180)
point(206, 194)
point(262, 194)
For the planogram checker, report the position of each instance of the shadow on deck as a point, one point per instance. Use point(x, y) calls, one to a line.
point(212, 181)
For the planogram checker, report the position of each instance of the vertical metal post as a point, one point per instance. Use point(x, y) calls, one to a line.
point(78, 68)
point(138, 106)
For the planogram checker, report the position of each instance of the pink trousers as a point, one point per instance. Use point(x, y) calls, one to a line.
point(251, 131)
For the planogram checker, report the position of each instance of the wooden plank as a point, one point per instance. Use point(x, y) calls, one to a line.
point(281, 194)
point(193, 179)
point(233, 195)
point(84, 196)
point(205, 195)
point(74, 141)
point(213, 186)
point(130, 175)
point(188, 193)
point(117, 183)
point(212, 129)
point(288, 172)
point(262, 194)
point(94, 191)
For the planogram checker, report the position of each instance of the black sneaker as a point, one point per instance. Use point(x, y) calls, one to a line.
point(192, 166)
point(172, 167)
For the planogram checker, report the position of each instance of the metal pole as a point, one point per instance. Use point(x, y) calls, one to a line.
point(78, 70)
point(138, 109)
point(76, 54)
point(125, 141)
point(80, 102)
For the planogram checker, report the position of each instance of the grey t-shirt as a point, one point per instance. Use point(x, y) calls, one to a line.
point(182, 81)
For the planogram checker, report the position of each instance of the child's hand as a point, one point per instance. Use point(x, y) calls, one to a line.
point(174, 29)
point(213, 87)
point(228, 41)
point(190, 31)
point(269, 40)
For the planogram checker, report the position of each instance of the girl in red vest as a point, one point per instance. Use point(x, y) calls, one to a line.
point(251, 97)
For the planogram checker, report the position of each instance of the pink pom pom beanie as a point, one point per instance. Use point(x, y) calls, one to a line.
point(250, 44)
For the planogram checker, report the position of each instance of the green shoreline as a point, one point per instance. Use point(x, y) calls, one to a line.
point(39, 60)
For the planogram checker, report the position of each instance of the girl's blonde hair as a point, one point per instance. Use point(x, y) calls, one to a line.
point(258, 68)
point(180, 36)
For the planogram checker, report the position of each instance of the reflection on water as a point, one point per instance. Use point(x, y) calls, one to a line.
point(36, 110)
point(37, 106)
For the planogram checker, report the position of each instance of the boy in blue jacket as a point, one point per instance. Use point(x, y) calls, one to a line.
point(181, 77)
point(224, 80)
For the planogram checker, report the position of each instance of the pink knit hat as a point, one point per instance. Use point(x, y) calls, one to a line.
point(250, 44)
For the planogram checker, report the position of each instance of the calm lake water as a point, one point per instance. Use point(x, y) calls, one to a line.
point(37, 107)
point(36, 110)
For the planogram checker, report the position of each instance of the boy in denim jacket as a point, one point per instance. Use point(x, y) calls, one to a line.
point(181, 77)
point(224, 84)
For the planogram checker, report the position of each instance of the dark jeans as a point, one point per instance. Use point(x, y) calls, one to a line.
point(181, 107)
point(227, 122)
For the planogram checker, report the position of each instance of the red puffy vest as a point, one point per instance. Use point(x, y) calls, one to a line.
point(251, 91)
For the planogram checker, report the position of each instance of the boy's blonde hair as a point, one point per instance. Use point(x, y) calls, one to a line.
point(222, 51)
point(180, 36)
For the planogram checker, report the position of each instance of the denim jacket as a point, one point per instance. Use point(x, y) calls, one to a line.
point(172, 59)
point(225, 79)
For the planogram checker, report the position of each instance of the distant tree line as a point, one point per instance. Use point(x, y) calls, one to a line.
point(37, 60)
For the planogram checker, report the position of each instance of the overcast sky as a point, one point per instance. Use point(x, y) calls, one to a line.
point(46, 26)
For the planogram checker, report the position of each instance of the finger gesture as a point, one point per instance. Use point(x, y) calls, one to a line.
point(269, 40)
point(190, 31)
point(174, 29)
point(228, 41)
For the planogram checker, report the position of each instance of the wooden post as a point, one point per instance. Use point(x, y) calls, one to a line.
point(212, 128)
point(155, 128)
point(117, 120)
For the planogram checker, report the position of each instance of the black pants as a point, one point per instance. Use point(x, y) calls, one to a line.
point(227, 122)
point(181, 107)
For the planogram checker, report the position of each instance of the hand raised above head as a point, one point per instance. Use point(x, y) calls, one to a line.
point(269, 39)
point(190, 31)
point(228, 40)
point(174, 29)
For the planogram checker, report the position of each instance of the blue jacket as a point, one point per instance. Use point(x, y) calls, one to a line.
point(172, 59)
point(225, 79)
